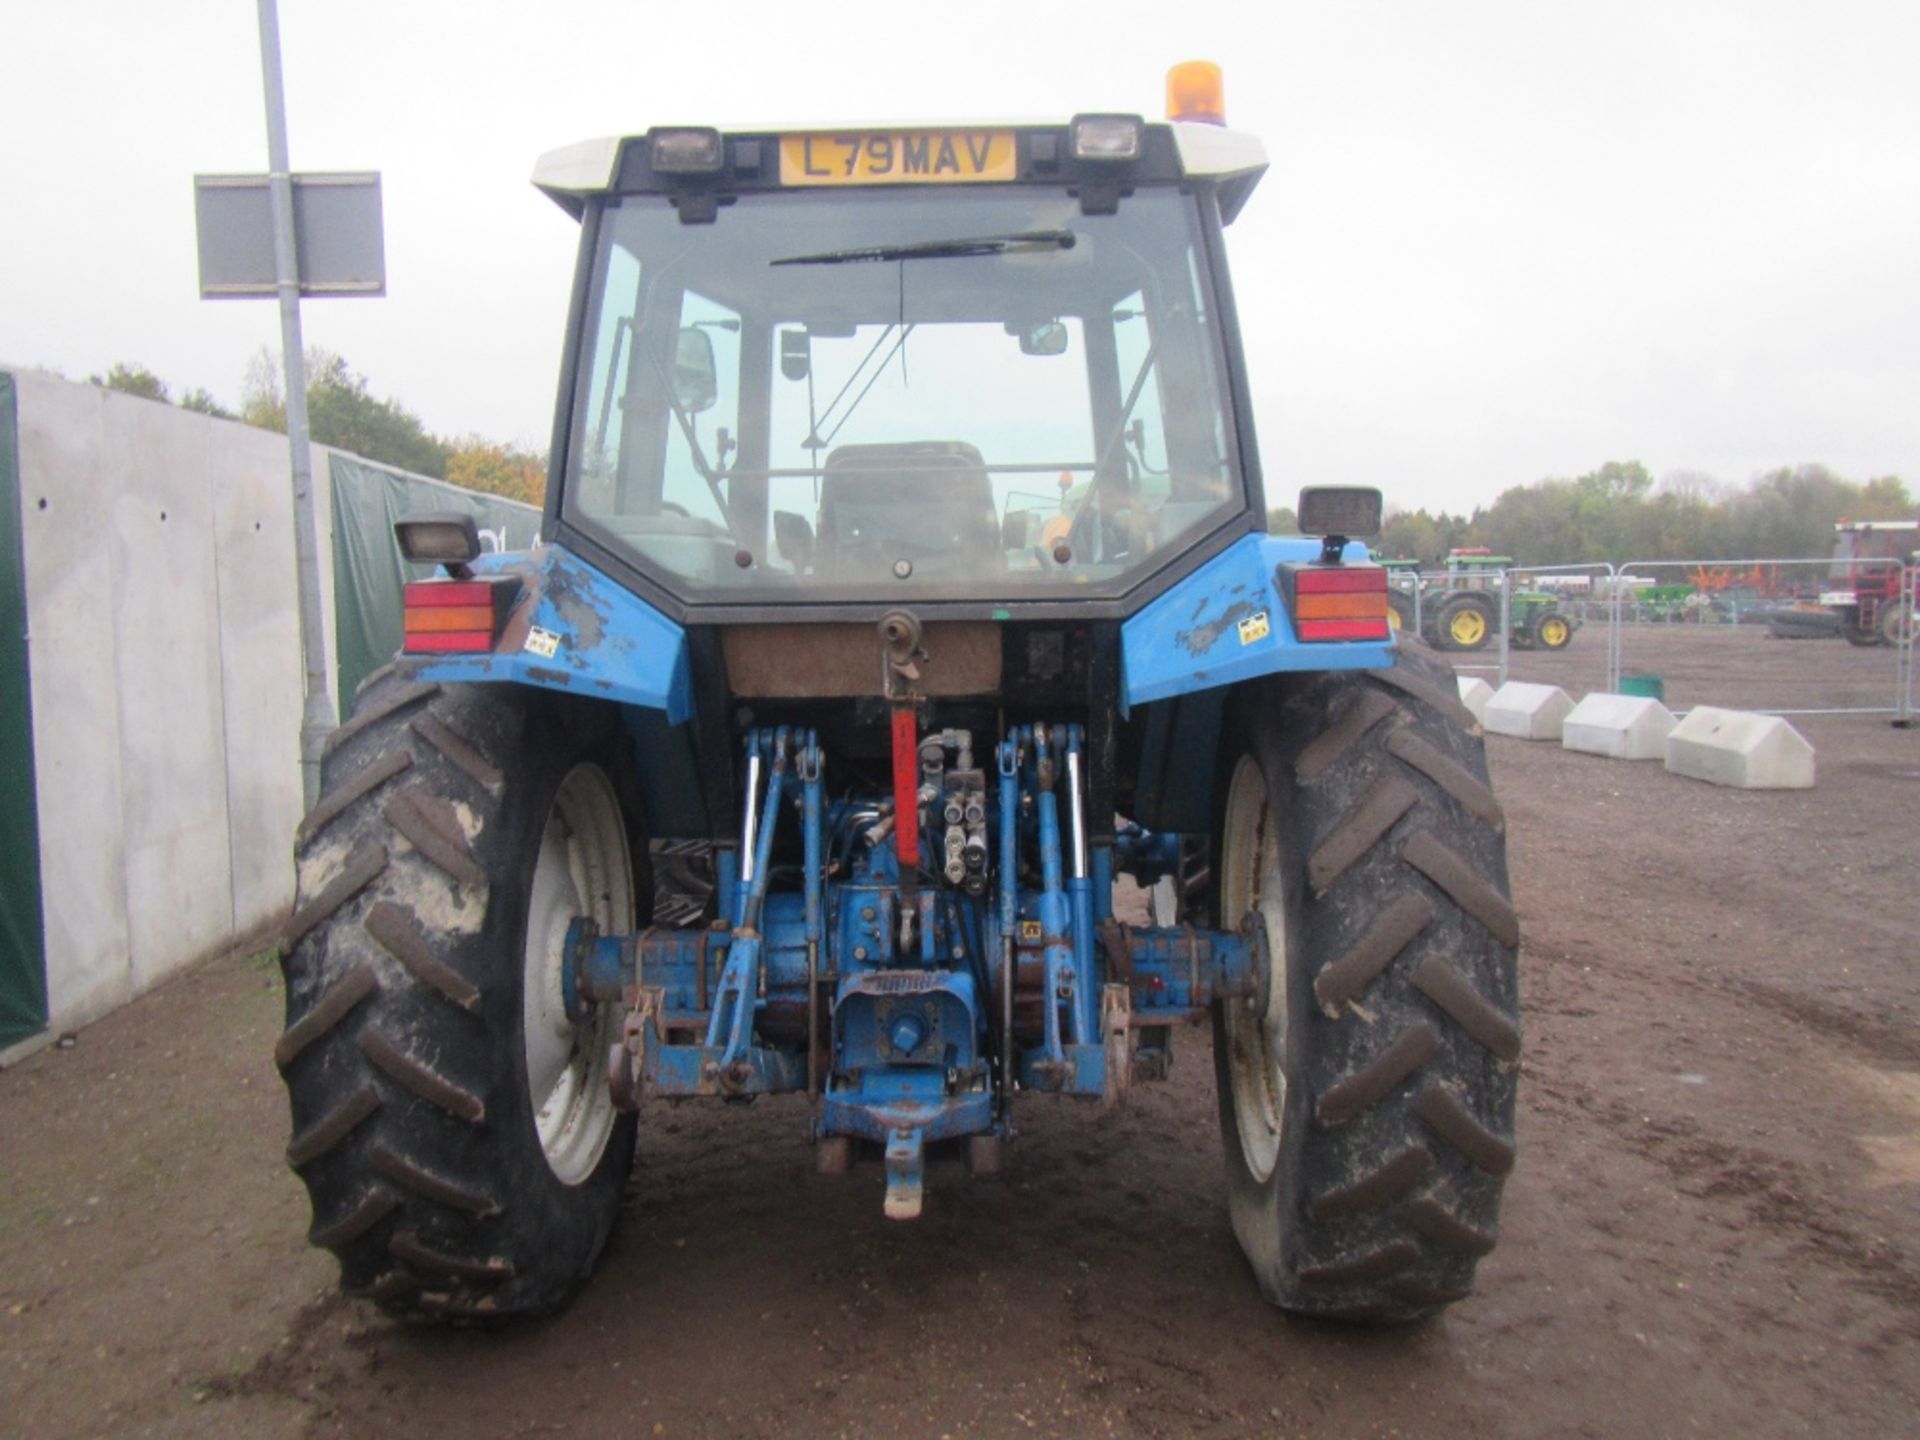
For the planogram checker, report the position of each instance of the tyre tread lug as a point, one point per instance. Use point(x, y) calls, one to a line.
point(1448, 1117)
point(333, 1006)
point(1471, 1010)
point(1455, 875)
point(1380, 1076)
point(422, 1181)
point(1359, 830)
point(374, 1206)
point(326, 1133)
point(461, 752)
point(391, 1059)
point(1433, 1219)
point(1390, 1259)
point(1376, 1188)
point(430, 825)
point(398, 931)
point(363, 867)
point(1443, 699)
point(372, 714)
point(1476, 798)
point(332, 805)
point(1390, 932)
point(1322, 752)
point(407, 1245)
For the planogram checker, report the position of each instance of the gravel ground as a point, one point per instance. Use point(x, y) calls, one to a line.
point(1714, 1227)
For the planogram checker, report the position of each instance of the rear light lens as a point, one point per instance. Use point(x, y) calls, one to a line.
point(1339, 602)
point(454, 616)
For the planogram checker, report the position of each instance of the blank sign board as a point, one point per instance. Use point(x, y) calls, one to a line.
point(336, 228)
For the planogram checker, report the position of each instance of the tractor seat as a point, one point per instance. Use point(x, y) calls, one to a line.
point(927, 502)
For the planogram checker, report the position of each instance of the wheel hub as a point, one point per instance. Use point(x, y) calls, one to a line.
point(582, 877)
point(1256, 1026)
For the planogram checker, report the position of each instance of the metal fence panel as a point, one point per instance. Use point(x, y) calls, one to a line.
point(1523, 624)
point(1753, 635)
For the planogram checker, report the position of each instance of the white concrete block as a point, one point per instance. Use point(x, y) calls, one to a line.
point(1741, 749)
point(179, 889)
point(1625, 727)
point(66, 517)
point(1529, 712)
point(166, 684)
point(1474, 694)
point(260, 667)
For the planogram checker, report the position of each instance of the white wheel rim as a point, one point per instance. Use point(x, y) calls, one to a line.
point(582, 870)
point(1256, 1038)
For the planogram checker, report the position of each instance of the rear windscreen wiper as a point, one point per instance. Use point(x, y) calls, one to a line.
point(940, 249)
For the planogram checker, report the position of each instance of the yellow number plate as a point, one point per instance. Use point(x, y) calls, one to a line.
point(898, 157)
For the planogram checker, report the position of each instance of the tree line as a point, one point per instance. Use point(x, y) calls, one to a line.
point(1619, 513)
point(342, 411)
point(1615, 513)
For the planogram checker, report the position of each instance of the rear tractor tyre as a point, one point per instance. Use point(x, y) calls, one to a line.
point(454, 1129)
point(1465, 624)
point(1367, 1108)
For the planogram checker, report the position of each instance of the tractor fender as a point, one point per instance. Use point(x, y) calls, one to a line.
point(1226, 622)
point(575, 630)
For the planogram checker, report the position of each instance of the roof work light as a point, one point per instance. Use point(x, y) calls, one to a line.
point(1196, 91)
point(1107, 137)
point(438, 537)
point(689, 151)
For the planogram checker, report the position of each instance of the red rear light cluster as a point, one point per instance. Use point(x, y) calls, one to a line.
point(1340, 602)
point(454, 616)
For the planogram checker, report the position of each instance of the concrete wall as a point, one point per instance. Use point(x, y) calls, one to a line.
point(165, 666)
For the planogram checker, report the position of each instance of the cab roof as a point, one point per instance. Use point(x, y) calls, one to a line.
point(1233, 159)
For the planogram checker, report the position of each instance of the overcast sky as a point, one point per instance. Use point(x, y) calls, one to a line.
point(1499, 241)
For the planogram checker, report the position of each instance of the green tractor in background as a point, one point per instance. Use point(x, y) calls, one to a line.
point(1461, 609)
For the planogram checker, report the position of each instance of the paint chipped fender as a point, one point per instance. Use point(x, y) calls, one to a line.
point(1226, 622)
point(575, 630)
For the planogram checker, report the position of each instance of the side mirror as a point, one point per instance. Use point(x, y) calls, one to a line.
point(1045, 337)
point(1015, 526)
point(793, 538)
point(796, 354)
point(696, 377)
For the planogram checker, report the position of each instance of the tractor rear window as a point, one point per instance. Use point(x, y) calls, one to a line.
point(940, 396)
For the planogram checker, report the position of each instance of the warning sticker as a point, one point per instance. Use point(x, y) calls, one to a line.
point(543, 643)
point(1254, 627)
point(1029, 932)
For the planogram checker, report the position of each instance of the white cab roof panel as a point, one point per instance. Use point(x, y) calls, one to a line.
point(1234, 157)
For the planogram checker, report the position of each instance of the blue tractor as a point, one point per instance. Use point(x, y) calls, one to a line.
point(904, 591)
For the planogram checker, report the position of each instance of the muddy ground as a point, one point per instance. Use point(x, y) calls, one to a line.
point(1714, 1227)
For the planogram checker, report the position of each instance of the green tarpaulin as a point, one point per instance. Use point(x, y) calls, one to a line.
point(23, 974)
point(367, 568)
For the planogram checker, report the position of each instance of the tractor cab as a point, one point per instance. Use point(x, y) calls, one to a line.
point(1475, 567)
point(965, 366)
